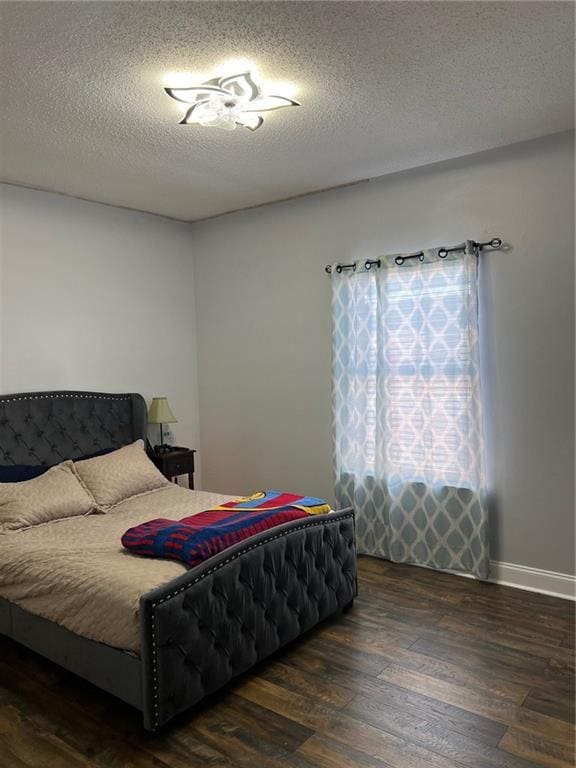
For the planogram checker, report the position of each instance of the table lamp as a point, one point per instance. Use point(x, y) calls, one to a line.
point(161, 413)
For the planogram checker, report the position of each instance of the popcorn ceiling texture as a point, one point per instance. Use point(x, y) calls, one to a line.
point(384, 86)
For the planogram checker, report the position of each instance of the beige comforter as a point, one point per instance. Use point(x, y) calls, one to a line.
point(75, 571)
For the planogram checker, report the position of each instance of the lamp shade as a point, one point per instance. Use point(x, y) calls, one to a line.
point(160, 412)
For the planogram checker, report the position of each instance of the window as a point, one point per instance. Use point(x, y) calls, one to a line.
point(407, 357)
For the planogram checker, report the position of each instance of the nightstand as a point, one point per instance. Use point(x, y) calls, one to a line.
point(180, 461)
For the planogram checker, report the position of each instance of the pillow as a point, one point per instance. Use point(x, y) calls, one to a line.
point(119, 475)
point(54, 495)
point(17, 473)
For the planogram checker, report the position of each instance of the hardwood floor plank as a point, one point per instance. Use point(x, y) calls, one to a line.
point(7, 757)
point(418, 705)
point(33, 746)
point(331, 660)
point(519, 613)
point(532, 601)
point(46, 712)
point(560, 677)
point(246, 741)
point(294, 679)
point(376, 606)
point(552, 702)
point(433, 711)
point(376, 614)
point(269, 726)
point(342, 728)
point(549, 727)
point(445, 739)
point(326, 753)
point(319, 665)
point(369, 638)
point(482, 682)
point(498, 633)
point(78, 723)
point(481, 702)
point(533, 747)
point(483, 657)
point(496, 708)
point(414, 588)
point(507, 623)
point(286, 703)
point(187, 750)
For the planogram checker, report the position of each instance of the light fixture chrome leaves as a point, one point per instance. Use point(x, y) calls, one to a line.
point(226, 102)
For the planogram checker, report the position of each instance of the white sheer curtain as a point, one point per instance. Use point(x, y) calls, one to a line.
point(408, 438)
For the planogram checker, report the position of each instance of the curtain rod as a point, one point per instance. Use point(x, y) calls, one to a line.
point(494, 244)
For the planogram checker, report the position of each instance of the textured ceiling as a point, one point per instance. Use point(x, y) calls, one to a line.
point(384, 86)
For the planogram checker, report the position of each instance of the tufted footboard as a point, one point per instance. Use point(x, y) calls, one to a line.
point(219, 619)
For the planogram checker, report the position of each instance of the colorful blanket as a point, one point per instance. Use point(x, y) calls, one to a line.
point(279, 500)
point(194, 539)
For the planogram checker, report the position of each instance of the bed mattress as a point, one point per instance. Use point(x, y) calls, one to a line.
point(76, 573)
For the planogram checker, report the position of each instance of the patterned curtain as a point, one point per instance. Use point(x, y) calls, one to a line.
point(408, 438)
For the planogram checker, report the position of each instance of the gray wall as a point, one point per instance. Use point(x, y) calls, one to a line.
point(97, 298)
point(263, 321)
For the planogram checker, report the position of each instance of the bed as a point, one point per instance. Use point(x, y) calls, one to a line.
point(179, 634)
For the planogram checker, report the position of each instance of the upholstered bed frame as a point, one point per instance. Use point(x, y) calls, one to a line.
point(213, 622)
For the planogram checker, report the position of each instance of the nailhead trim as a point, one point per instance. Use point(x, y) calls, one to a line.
point(209, 572)
point(57, 396)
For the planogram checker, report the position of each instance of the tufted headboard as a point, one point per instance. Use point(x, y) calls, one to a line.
point(49, 427)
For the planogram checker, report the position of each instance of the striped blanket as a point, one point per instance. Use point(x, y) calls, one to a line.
point(194, 539)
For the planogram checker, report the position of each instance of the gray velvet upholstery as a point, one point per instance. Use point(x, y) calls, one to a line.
point(237, 608)
point(49, 427)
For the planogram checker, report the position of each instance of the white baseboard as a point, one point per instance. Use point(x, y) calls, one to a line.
point(524, 577)
point(533, 579)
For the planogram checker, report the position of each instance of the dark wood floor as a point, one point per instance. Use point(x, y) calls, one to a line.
point(426, 671)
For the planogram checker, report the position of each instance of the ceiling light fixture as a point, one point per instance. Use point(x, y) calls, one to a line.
point(226, 102)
